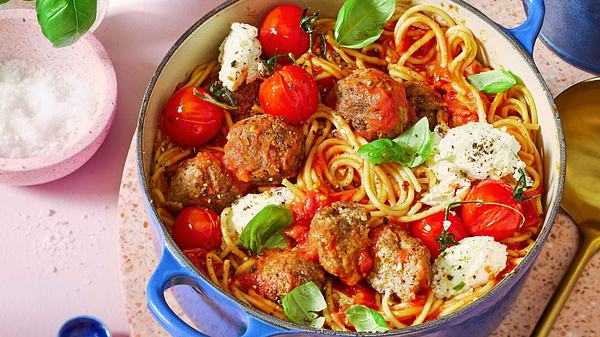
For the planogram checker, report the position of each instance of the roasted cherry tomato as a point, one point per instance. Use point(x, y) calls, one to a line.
point(189, 120)
point(429, 229)
point(497, 221)
point(291, 93)
point(280, 32)
point(197, 227)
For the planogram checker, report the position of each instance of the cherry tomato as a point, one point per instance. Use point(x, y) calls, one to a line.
point(289, 92)
point(189, 120)
point(197, 227)
point(280, 32)
point(497, 221)
point(429, 229)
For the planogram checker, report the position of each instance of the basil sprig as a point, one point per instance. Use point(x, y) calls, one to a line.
point(365, 319)
point(264, 230)
point(412, 148)
point(493, 81)
point(360, 22)
point(63, 22)
point(302, 304)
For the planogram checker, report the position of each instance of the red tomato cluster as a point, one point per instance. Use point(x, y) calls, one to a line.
point(289, 92)
point(500, 219)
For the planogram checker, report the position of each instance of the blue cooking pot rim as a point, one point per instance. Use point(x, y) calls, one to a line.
point(522, 38)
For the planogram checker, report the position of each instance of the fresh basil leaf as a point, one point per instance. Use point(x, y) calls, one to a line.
point(365, 319)
point(360, 22)
point(302, 304)
point(63, 22)
point(265, 225)
point(383, 150)
point(276, 241)
point(412, 148)
point(493, 81)
point(417, 142)
point(3, 1)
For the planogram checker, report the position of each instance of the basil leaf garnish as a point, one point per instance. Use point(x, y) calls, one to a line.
point(360, 22)
point(63, 22)
point(264, 228)
point(302, 304)
point(493, 81)
point(365, 319)
point(276, 241)
point(382, 151)
point(412, 148)
point(417, 141)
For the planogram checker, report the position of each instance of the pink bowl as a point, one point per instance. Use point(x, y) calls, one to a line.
point(21, 38)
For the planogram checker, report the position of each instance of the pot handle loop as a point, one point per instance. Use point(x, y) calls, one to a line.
point(526, 33)
point(171, 272)
point(164, 277)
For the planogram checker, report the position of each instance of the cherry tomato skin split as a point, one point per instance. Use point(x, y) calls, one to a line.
point(197, 227)
point(280, 32)
point(429, 229)
point(189, 120)
point(492, 220)
point(291, 93)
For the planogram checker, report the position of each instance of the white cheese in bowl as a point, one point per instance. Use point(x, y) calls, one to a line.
point(41, 110)
point(246, 207)
point(240, 56)
point(474, 151)
point(468, 265)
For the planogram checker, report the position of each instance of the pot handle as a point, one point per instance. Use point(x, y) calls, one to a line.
point(526, 33)
point(171, 272)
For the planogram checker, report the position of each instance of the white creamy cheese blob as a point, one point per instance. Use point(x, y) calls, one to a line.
point(474, 151)
point(469, 264)
point(240, 56)
point(246, 207)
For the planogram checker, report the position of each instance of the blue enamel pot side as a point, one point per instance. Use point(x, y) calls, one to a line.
point(571, 29)
point(217, 313)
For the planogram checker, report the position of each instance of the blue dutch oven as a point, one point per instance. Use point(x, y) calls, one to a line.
point(571, 30)
point(217, 313)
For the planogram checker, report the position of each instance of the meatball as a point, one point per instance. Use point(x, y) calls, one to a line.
point(401, 263)
point(373, 104)
point(280, 271)
point(338, 235)
point(425, 101)
point(263, 150)
point(245, 98)
point(202, 181)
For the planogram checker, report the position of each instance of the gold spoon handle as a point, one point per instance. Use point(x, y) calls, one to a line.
point(589, 246)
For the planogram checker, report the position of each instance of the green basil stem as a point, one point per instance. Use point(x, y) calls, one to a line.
point(273, 62)
point(210, 99)
point(307, 23)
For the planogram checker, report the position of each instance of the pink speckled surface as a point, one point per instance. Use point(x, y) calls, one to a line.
point(89, 61)
point(578, 318)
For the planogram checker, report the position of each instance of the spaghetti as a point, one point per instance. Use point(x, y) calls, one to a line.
point(432, 48)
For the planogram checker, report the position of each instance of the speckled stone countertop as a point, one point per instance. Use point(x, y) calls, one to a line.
point(577, 319)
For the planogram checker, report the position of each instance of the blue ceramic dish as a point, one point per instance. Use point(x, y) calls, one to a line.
point(571, 29)
point(217, 313)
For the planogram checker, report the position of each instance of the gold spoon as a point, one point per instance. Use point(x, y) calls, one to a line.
point(579, 108)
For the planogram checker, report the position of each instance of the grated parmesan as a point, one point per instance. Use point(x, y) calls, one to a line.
point(42, 111)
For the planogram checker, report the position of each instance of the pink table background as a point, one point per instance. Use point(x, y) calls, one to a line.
point(66, 242)
point(60, 249)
